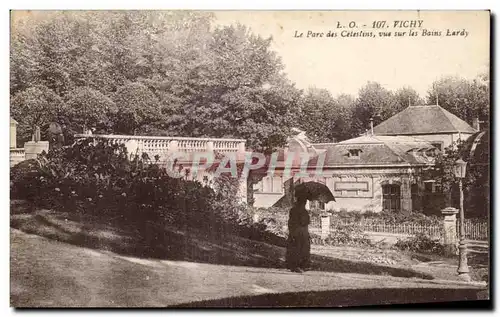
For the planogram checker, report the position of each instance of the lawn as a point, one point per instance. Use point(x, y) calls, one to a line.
point(48, 273)
point(178, 244)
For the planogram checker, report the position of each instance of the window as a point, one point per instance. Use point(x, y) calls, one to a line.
point(354, 153)
point(271, 185)
point(437, 145)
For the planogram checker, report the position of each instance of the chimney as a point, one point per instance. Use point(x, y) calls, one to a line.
point(476, 124)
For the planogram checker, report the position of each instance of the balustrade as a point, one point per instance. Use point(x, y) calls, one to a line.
point(17, 156)
point(159, 145)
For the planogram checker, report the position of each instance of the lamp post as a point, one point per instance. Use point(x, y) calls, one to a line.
point(463, 269)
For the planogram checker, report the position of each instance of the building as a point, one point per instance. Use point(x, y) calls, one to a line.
point(368, 173)
point(431, 123)
point(381, 171)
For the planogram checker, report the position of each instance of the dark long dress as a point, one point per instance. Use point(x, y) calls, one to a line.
point(299, 245)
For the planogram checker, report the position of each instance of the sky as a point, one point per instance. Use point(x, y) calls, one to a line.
point(345, 64)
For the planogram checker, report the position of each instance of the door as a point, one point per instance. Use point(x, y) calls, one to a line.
point(391, 197)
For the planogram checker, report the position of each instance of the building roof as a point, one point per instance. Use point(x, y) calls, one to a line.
point(13, 121)
point(379, 150)
point(322, 146)
point(431, 119)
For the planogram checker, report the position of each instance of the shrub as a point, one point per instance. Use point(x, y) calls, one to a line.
point(420, 243)
point(417, 218)
point(25, 180)
point(100, 178)
point(387, 217)
point(278, 227)
point(350, 234)
point(271, 226)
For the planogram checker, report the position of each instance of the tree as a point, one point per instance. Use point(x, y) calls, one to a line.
point(324, 118)
point(405, 97)
point(192, 79)
point(344, 120)
point(58, 46)
point(35, 106)
point(317, 115)
point(480, 98)
point(236, 88)
point(467, 99)
point(443, 172)
point(136, 106)
point(88, 108)
point(476, 181)
point(375, 102)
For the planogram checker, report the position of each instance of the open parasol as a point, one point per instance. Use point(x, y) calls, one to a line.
point(314, 191)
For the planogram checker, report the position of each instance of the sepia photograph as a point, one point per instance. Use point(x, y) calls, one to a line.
point(249, 159)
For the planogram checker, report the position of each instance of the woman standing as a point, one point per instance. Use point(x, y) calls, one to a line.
point(299, 245)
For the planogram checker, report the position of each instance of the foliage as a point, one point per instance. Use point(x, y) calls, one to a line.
point(170, 73)
point(343, 123)
point(347, 234)
point(400, 218)
point(443, 172)
point(375, 102)
point(25, 180)
point(405, 97)
point(342, 234)
point(175, 73)
point(99, 179)
point(324, 117)
point(35, 106)
point(420, 243)
point(467, 99)
point(476, 181)
point(137, 106)
point(88, 108)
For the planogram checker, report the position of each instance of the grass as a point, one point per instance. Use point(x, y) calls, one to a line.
point(80, 261)
point(179, 244)
point(48, 273)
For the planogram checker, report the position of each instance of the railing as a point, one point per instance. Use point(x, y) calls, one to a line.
point(16, 156)
point(404, 228)
point(473, 230)
point(160, 145)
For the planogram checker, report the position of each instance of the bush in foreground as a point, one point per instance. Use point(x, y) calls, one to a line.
point(101, 179)
point(420, 243)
